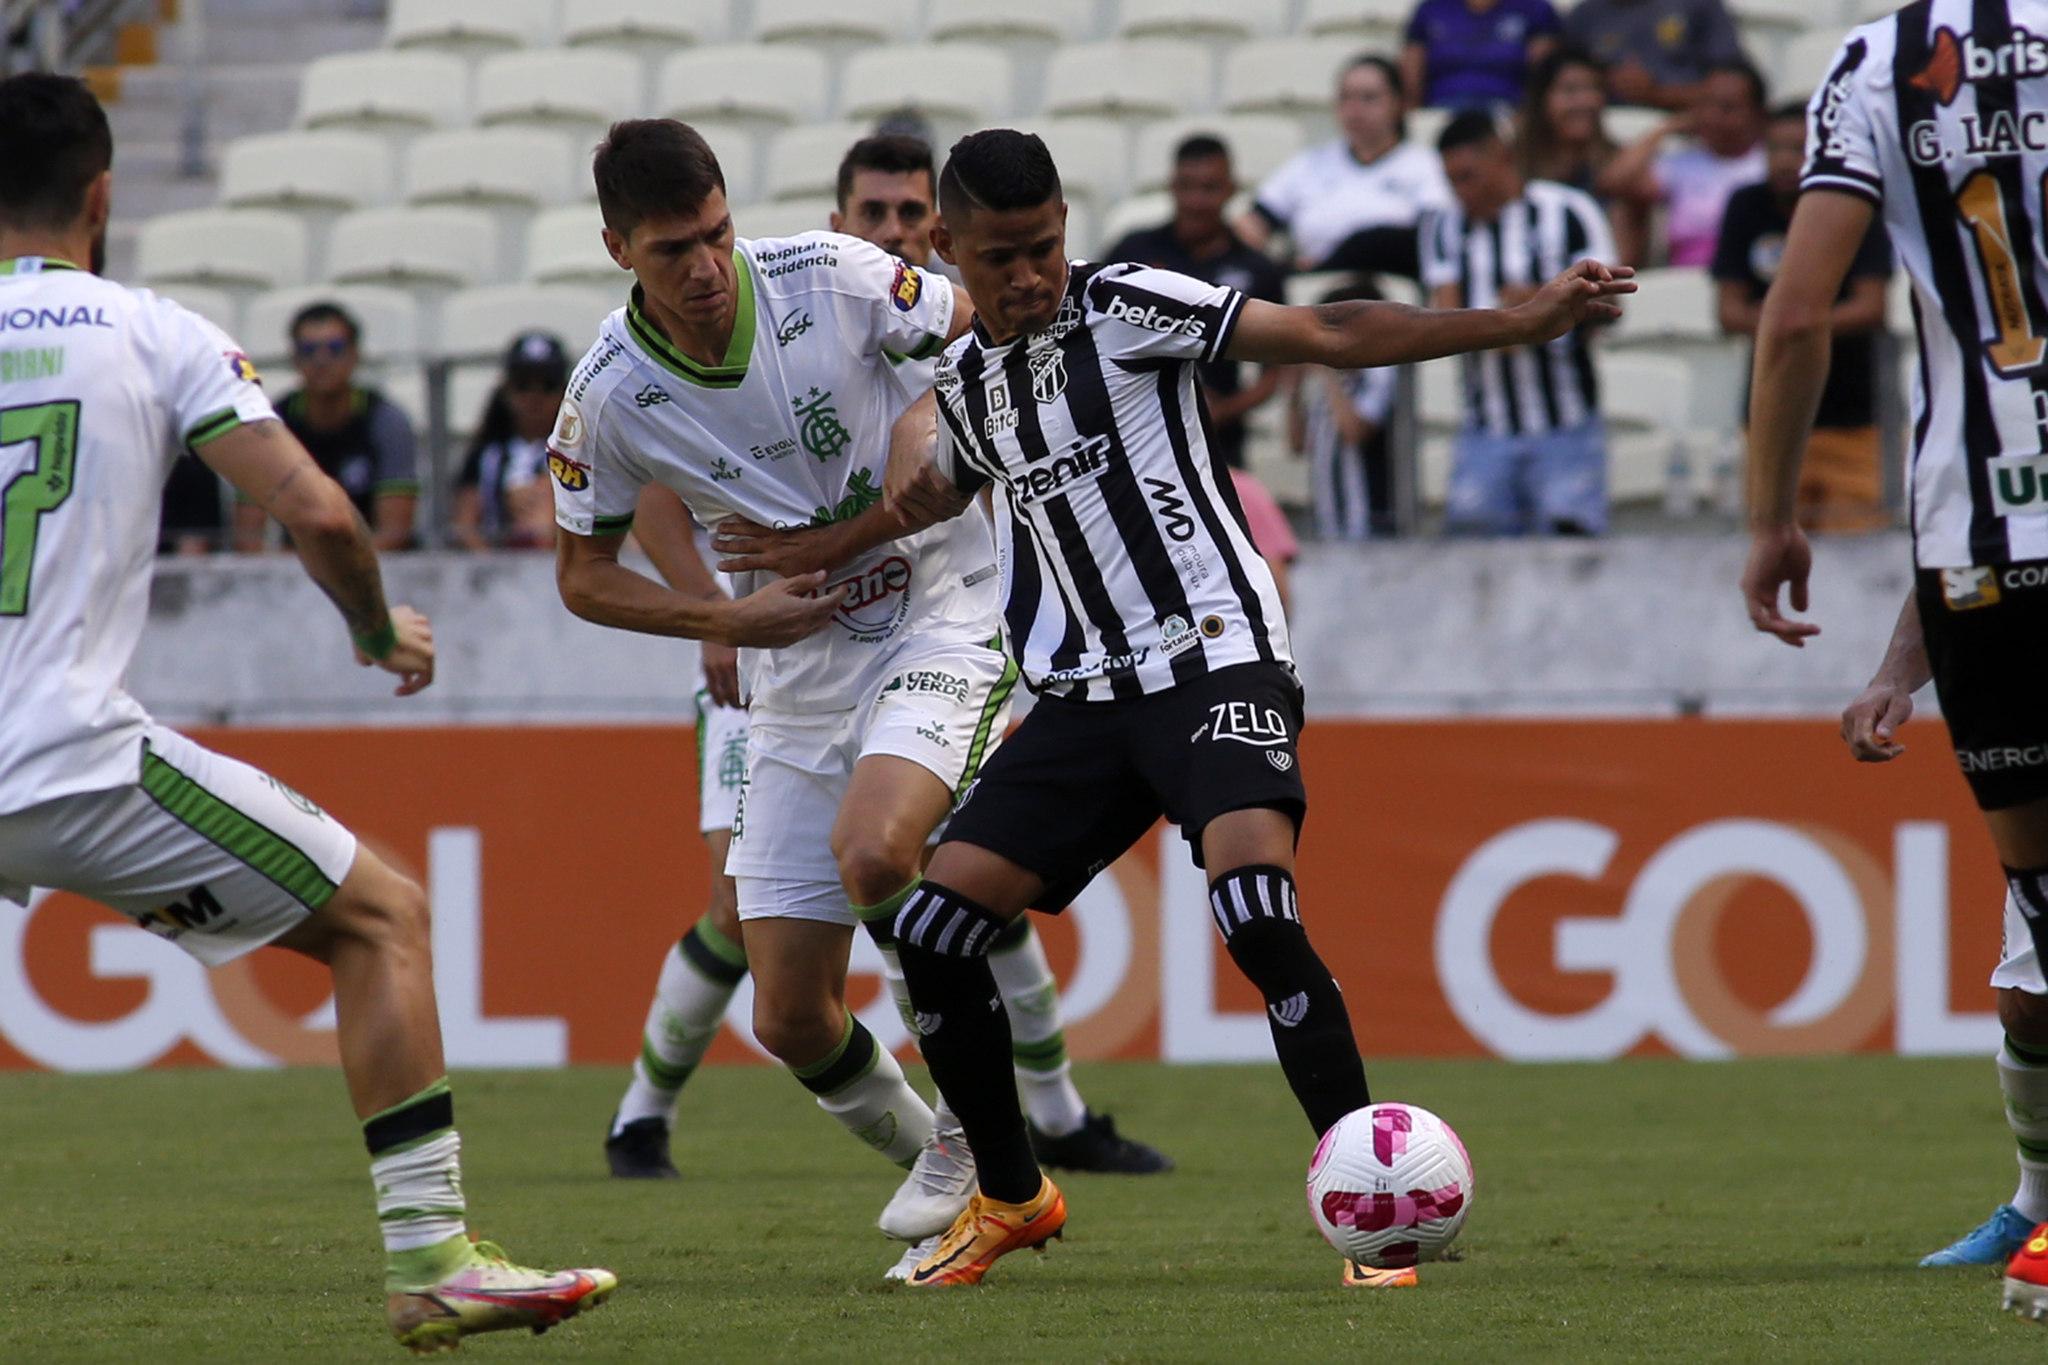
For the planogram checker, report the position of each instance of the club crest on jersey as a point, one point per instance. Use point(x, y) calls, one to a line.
point(1048, 365)
point(907, 287)
point(569, 426)
point(819, 428)
point(242, 368)
point(1959, 60)
point(573, 475)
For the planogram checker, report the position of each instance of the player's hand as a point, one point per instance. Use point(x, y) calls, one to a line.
point(721, 672)
point(412, 658)
point(1779, 557)
point(787, 610)
point(1870, 722)
point(748, 546)
point(916, 492)
point(1585, 293)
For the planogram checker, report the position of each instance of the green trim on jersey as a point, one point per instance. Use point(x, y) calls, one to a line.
point(928, 348)
point(732, 371)
point(30, 265)
point(611, 526)
point(212, 427)
point(235, 833)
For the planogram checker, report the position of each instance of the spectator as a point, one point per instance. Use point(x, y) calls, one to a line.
point(355, 434)
point(1271, 536)
point(1199, 242)
point(1339, 420)
point(194, 519)
point(1561, 136)
point(1367, 178)
point(1531, 455)
point(1656, 51)
point(1694, 182)
point(1468, 54)
point(502, 495)
point(1841, 484)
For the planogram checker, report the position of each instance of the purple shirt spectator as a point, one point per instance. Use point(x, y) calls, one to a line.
point(1476, 52)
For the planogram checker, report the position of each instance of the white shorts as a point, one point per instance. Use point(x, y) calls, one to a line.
point(2020, 967)
point(721, 762)
point(201, 849)
point(944, 710)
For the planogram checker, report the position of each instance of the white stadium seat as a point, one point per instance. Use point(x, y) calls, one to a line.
point(1295, 77)
point(566, 246)
point(322, 170)
point(1094, 157)
point(1357, 21)
point(738, 146)
point(1135, 214)
point(1008, 24)
point(217, 306)
point(1129, 81)
point(763, 85)
point(1425, 126)
point(1258, 144)
point(1440, 393)
point(632, 26)
point(1671, 304)
point(580, 92)
point(385, 92)
point(483, 322)
point(834, 21)
point(470, 28)
point(1084, 239)
point(789, 218)
point(1768, 22)
point(238, 250)
point(1802, 64)
point(389, 318)
point(1225, 20)
point(415, 248)
point(957, 83)
point(803, 163)
point(489, 168)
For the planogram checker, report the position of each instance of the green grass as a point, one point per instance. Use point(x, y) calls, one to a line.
point(1737, 1211)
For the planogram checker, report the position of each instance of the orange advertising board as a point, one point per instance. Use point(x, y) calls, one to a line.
point(1533, 889)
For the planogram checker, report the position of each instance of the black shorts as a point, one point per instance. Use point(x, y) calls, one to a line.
point(1987, 639)
point(1080, 782)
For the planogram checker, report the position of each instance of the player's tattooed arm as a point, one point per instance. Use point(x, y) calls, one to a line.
point(1870, 724)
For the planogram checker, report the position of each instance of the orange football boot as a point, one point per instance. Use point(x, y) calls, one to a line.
point(2026, 1277)
point(990, 1229)
point(1360, 1276)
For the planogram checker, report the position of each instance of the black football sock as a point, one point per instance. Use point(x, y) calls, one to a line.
point(1260, 920)
point(942, 939)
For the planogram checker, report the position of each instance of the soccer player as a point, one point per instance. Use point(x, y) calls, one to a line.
point(1147, 624)
point(100, 388)
point(1927, 118)
point(887, 196)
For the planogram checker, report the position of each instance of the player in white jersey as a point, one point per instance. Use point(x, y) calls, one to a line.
point(1933, 117)
point(886, 196)
point(101, 389)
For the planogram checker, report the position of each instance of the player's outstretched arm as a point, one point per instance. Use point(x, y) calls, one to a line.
point(267, 465)
point(1792, 345)
point(597, 587)
point(1366, 334)
point(663, 526)
point(1871, 722)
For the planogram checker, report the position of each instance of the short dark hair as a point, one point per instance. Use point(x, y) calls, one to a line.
point(57, 143)
point(1000, 169)
point(1200, 147)
point(326, 310)
point(1788, 110)
point(1470, 128)
point(1386, 66)
point(650, 166)
point(1759, 94)
point(890, 153)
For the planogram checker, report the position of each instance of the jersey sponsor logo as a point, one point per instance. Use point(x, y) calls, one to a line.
point(1083, 460)
point(792, 328)
point(1172, 507)
point(819, 429)
point(1968, 589)
point(1154, 318)
point(1841, 84)
point(1176, 636)
point(28, 319)
point(877, 599)
point(2003, 757)
point(2019, 484)
point(946, 379)
point(861, 494)
point(1959, 60)
point(929, 682)
point(241, 367)
point(907, 288)
point(1193, 565)
point(1245, 722)
point(797, 256)
point(773, 451)
point(1110, 663)
point(593, 367)
point(723, 470)
point(1001, 416)
point(572, 474)
point(198, 910)
point(569, 425)
point(1280, 759)
point(651, 396)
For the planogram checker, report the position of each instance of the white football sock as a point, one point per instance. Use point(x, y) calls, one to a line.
point(419, 1193)
point(698, 978)
point(2025, 1085)
point(1037, 1043)
point(861, 1085)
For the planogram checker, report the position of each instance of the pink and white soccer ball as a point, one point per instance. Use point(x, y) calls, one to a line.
point(1390, 1185)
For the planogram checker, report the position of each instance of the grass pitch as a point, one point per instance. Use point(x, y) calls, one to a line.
point(1742, 1211)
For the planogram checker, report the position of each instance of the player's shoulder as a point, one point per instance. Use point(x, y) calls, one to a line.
point(1864, 60)
point(818, 263)
point(607, 365)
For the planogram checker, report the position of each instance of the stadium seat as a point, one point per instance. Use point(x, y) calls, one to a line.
point(469, 396)
point(1440, 394)
point(803, 163)
point(1766, 23)
point(1222, 20)
point(1129, 81)
point(1005, 23)
point(632, 26)
point(1379, 23)
point(1294, 77)
point(566, 246)
point(240, 251)
point(470, 28)
point(1802, 64)
point(1134, 214)
point(1094, 157)
point(739, 146)
point(787, 218)
point(489, 168)
point(385, 92)
point(437, 248)
point(769, 86)
point(1258, 144)
point(1671, 304)
point(834, 21)
point(336, 171)
point(217, 306)
point(480, 323)
point(578, 92)
point(1084, 240)
point(389, 318)
point(956, 84)
point(1426, 125)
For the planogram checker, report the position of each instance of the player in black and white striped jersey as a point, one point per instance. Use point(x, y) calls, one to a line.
point(1936, 117)
point(1532, 453)
point(1143, 618)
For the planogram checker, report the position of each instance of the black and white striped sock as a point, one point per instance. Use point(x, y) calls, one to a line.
point(1252, 893)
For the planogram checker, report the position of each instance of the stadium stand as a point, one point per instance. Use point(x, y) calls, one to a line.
point(960, 84)
point(834, 21)
point(564, 246)
point(240, 251)
point(471, 28)
point(1258, 144)
point(578, 92)
point(389, 317)
point(1093, 155)
point(1288, 76)
point(1042, 24)
point(1379, 22)
point(1220, 20)
point(400, 93)
point(803, 163)
point(1130, 82)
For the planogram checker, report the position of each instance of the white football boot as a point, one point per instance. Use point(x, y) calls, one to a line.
point(935, 1192)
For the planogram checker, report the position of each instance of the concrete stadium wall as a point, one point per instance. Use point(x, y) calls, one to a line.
point(1634, 625)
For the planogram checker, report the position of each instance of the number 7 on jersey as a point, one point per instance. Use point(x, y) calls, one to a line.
point(41, 487)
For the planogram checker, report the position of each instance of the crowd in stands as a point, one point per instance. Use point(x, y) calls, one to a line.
point(1524, 175)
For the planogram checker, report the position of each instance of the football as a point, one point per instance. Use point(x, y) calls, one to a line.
point(1390, 1185)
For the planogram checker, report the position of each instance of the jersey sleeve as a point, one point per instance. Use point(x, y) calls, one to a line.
point(1840, 137)
point(597, 484)
point(949, 450)
point(1149, 314)
point(892, 305)
point(210, 386)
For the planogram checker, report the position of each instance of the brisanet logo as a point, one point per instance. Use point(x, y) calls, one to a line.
point(1959, 60)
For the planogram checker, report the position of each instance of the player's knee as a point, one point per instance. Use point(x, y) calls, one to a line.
point(2025, 1017)
point(723, 908)
point(797, 1034)
point(875, 864)
point(380, 907)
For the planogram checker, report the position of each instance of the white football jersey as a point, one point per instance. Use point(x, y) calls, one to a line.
point(101, 388)
point(792, 429)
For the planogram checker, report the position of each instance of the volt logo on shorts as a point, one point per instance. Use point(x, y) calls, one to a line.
point(1247, 723)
